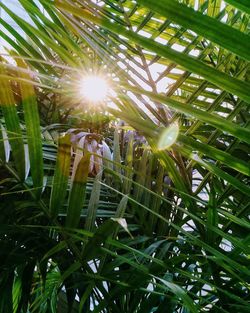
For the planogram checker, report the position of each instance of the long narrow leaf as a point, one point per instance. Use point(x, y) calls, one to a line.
point(206, 26)
point(7, 103)
point(33, 129)
point(61, 176)
point(77, 193)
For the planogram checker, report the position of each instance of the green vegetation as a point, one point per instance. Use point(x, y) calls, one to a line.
point(139, 203)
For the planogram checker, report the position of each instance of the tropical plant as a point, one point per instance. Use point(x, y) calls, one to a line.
point(140, 204)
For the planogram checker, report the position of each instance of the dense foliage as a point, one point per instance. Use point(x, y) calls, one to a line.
point(140, 204)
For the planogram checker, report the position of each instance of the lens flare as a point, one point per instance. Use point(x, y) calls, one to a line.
point(94, 88)
point(168, 137)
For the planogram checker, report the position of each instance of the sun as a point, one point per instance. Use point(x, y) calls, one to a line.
point(94, 88)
